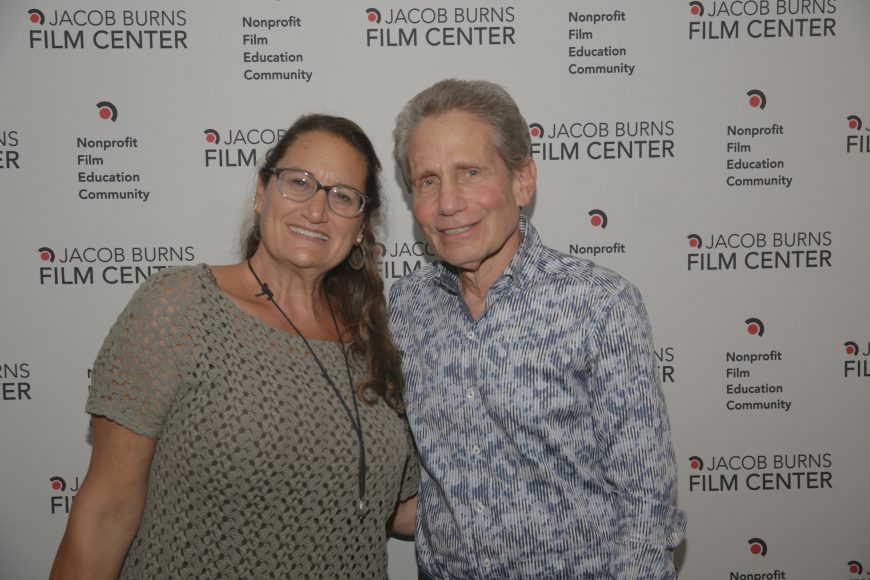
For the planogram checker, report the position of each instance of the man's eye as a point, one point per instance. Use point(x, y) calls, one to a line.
point(470, 174)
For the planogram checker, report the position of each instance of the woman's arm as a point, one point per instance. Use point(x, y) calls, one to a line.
point(107, 509)
point(405, 518)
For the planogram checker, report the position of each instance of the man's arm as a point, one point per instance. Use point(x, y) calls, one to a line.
point(634, 438)
point(405, 517)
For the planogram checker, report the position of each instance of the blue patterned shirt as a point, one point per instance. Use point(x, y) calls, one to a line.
point(541, 427)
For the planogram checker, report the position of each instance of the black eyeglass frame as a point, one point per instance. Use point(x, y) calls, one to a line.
point(278, 171)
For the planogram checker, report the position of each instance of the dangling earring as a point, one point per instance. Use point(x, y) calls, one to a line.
point(357, 257)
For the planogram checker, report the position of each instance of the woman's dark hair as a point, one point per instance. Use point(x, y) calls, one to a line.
point(357, 293)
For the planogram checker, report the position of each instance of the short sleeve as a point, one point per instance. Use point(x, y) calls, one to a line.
point(136, 373)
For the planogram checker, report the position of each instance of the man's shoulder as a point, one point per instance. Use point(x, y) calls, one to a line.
point(561, 268)
point(420, 278)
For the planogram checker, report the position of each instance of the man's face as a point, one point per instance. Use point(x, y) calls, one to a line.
point(465, 199)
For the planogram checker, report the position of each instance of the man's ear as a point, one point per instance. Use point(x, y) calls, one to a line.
point(525, 182)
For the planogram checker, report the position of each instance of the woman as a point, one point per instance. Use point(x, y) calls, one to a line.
point(245, 418)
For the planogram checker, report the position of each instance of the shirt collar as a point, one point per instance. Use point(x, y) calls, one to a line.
point(520, 271)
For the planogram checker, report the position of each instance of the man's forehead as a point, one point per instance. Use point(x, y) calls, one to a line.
point(451, 133)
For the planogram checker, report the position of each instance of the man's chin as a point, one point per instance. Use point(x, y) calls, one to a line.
point(462, 263)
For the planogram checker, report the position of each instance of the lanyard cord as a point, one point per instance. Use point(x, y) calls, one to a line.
point(354, 417)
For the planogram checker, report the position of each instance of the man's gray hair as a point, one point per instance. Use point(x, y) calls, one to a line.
point(489, 101)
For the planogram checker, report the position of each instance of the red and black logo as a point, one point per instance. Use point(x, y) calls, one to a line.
point(857, 143)
point(855, 567)
point(46, 254)
point(36, 16)
point(536, 130)
point(598, 218)
point(373, 15)
point(851, 347)
point(758, 547)
point(62, 494)
point(696, 8)
point(754, 326)
point(694, 241)
point(212, 136)
point(757, 99)
point(696, 463)
point(108, 111)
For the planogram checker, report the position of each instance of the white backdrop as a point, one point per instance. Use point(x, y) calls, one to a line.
point(715, 153)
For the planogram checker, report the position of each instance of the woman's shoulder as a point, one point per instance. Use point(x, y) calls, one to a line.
point(173, 285)
point(179, 277)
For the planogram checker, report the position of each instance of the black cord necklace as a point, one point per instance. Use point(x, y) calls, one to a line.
point(355, 421)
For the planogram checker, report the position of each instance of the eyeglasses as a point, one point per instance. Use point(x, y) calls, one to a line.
point(299, 185)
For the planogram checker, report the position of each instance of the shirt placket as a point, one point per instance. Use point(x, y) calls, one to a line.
point(476, 339)
point(473, 442)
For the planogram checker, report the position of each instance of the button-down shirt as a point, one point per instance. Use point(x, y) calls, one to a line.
point(541, 427)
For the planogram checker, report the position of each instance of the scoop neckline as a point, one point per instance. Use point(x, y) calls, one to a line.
point(229, 302)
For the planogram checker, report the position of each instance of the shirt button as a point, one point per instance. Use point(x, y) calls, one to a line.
point(470, 335)
point(475, 450)
point(486, 563)
point(478, 507)
point(469, 393)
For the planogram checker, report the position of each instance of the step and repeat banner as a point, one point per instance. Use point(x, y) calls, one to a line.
point(716, 153)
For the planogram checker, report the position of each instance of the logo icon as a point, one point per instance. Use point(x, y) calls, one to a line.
point(855, 567)
point(107, 110)
point(536, 130)
point(696, 8)
point(757, 100)
point(696, 463)
point(212, 136)
point(57, 483)
point(36, 16)
point(758, 547)
point(854, 122)
point(374, 15)
point(598, 218)
point(851, 347)
point(694, 240)
point(754, 326)
point(46, 254)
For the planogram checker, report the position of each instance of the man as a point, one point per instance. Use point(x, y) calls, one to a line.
point(531, 380)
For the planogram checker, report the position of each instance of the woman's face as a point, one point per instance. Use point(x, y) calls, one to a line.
point(307, 235)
